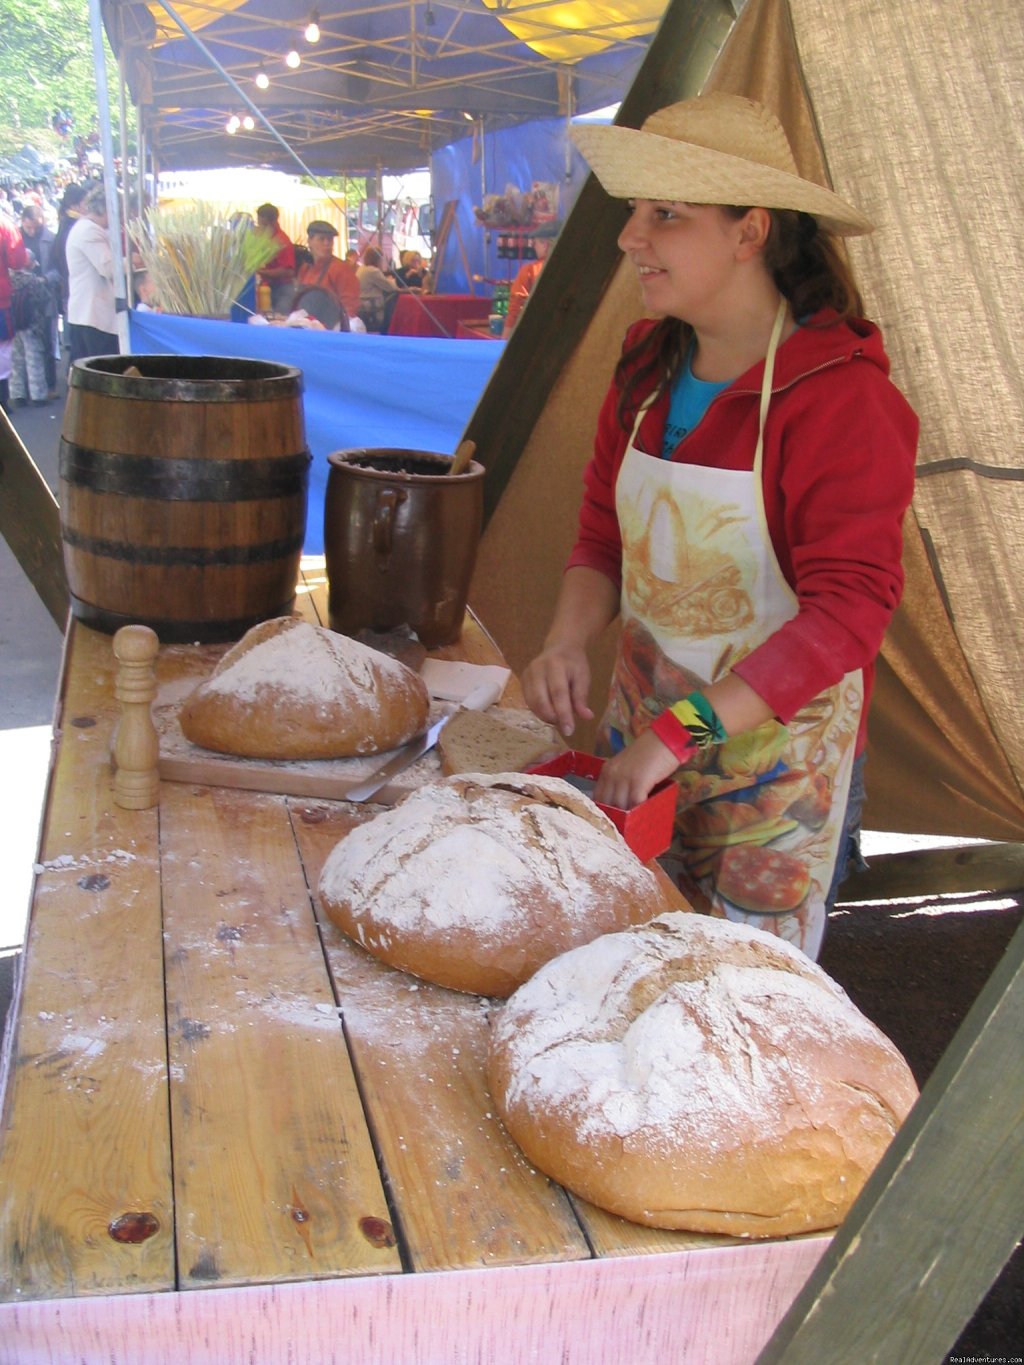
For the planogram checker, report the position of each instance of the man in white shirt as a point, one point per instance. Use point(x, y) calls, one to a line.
point(91, 315)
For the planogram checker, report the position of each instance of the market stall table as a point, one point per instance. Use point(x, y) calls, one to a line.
point(434, 315)
point(230, 1132)
point(476, 329)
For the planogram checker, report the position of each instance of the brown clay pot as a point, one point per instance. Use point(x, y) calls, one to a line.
point(400, 541)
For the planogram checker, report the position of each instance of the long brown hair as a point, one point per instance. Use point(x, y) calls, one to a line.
point(809, 269)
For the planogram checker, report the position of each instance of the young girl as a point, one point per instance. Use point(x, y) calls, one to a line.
point(742, 514)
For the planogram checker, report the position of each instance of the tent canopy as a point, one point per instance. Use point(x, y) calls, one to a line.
point(385, 85)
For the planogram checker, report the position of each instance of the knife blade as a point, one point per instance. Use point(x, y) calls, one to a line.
point(398, 762)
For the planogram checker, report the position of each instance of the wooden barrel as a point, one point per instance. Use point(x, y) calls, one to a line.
point(183, 488)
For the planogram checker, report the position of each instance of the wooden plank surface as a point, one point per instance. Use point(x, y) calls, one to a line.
point(937, 872)
point(85, 1160)
point(275, 1175)
point(30, 522)
point(464, 1195)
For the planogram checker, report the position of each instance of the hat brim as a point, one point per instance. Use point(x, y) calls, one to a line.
point(632, 164)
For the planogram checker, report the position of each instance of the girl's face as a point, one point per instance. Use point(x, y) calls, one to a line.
point(685, 256)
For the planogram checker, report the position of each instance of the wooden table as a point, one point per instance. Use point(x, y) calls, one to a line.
point(434, 315)
point(231, 1135)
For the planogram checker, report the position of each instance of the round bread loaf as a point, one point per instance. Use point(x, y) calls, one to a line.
point(474, 881)
point(290, 690)
point(694, 1073)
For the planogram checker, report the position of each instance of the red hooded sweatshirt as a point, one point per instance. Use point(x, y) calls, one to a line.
point(838, 475)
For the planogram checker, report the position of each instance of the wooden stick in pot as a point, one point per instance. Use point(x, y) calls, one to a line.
point(463, 454)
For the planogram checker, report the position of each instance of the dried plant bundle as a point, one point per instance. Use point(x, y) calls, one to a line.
point(198, 264)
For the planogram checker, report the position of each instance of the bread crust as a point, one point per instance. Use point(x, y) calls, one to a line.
point(291, 690)
point(475, 881)
point(693, 1073)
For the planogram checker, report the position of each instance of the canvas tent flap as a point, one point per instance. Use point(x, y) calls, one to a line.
point(864, 93)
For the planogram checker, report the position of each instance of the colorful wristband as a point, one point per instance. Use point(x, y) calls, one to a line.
point(675, 737)
point(689, 727)
point(701, 719)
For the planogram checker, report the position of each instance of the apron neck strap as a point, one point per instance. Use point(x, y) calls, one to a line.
point(766, 383)
point(769, 374)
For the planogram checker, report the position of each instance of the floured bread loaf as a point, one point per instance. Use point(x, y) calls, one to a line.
point(289, 690)
point(505, 740)
point(693, 1073)
point(474, 881)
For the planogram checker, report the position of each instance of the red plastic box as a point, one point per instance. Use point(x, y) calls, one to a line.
point(647, 828)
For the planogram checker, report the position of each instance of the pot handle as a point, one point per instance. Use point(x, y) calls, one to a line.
point(388, 502)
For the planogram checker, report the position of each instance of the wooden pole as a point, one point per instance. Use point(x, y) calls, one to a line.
point(586, 253)
point(941, 1214)
point(30, 523)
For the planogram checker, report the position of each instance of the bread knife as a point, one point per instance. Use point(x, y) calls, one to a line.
point(478, 700)
point(398, 762)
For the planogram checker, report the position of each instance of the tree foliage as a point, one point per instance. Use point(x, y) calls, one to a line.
point(46, 68)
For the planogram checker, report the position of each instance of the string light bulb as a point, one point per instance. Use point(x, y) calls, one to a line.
point(248, 123)
point(292, 59)
point(233, 124)
point(312, 34)
point(262, 79)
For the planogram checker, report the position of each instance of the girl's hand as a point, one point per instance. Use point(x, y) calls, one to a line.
point(630, 777)
point(556, 685)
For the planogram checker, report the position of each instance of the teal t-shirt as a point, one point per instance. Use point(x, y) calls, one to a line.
point(689, 401)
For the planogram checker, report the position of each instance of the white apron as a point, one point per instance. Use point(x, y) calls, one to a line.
point(760, 817)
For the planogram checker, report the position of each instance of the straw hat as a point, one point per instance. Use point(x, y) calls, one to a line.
point(716, 149)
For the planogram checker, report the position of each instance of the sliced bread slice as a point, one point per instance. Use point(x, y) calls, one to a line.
point(503, 740)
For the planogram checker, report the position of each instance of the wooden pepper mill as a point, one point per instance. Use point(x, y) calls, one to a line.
point(136, 747)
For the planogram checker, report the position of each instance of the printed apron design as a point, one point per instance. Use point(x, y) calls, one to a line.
point(760, 816)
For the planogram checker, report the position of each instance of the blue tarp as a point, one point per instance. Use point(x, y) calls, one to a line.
point(537, 151)
point(408, 392)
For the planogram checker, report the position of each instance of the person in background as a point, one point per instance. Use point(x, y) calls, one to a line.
point(742, 516)
point(13, 256)
point(279, 272)
point(43, 245)
point(92, 311)
point(528, 274)
point(327, 272)
point(145, 293)
point(68, 213)
point(34, 308)
point(377, 292)
point(411, 270)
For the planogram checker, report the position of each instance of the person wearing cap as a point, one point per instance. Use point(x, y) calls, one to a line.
point(279, 272)
point(741, 515)
point(327, 272)
point(528, 274)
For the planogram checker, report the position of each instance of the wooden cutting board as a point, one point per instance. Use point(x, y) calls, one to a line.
point(180, 668)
